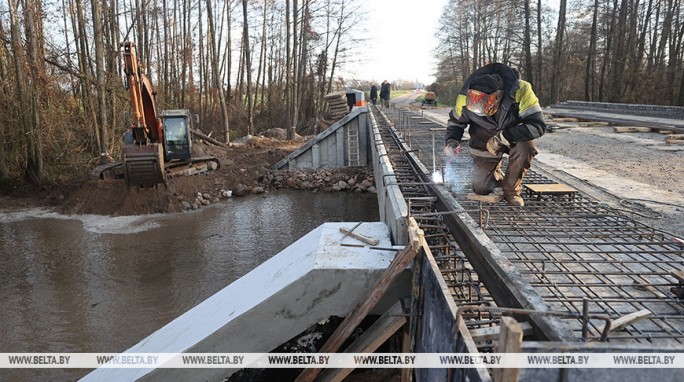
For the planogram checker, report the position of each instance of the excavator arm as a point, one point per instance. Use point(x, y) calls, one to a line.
point(144, 159)
point(145, 124)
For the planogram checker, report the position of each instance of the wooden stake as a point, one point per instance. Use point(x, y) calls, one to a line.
point(510, 341)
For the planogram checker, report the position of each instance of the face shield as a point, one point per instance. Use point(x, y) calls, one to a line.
point(482, 103)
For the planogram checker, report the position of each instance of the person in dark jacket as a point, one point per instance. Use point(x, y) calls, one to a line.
point(504, 116)
point(373, 93)
point(385, 94)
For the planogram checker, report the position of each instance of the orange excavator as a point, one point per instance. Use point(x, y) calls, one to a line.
point(157, 146)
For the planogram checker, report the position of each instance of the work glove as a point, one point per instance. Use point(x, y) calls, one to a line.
point(497, 143)
point(452, 148)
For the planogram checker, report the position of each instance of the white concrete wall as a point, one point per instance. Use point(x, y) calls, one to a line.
point(309, 281)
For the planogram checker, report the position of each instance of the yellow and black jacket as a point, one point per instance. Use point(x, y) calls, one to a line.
point(519, 115)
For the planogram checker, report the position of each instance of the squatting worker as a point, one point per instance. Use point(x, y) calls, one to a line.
point(504, 117)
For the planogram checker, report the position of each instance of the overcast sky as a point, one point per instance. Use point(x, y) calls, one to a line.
point(401, 37)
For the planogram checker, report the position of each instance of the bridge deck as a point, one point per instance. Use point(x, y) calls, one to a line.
point(576, 253)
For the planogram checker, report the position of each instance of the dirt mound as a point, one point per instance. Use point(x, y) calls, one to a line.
point(113, 197)
point(245, 169)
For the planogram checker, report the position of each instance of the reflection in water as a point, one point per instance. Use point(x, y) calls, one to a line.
point(95, 284)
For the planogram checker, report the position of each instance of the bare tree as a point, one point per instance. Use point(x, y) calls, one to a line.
point(215, 72)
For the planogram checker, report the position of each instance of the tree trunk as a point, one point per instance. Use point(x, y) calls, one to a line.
point(248, 62)
point(540, 49)
point(216, 74)
point(99, 72)
point(589, 72)
point(294, 106)
point(528, 44)
point(558, 54)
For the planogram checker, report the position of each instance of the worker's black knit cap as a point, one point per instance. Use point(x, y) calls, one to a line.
point(487, 83)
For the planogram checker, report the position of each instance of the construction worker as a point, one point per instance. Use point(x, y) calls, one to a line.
point(504, 117)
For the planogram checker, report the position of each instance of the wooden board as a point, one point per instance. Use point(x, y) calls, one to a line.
point(679, 275)
point(551, 188)
point(595, 124)
point(675, 139)
point(491, 198)
point(629, 319)
point(564, 119)
point(367, 240)
point(510, 341)
point(632, 129)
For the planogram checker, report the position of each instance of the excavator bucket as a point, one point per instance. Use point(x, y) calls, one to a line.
point(143, 165)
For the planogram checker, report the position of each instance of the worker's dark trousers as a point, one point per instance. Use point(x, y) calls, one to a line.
point(487, 173)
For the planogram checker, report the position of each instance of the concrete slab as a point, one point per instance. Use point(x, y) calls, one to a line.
point(309, 281)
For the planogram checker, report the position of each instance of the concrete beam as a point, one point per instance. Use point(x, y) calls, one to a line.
point(309, 281)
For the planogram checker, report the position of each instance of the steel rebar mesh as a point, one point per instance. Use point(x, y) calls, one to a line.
point(573, 248)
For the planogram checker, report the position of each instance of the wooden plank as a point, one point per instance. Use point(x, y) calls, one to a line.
point(674, 138)
point(564, 119)
point(369, 341)
point(632, 129)
point(563, 125)
point(595, 124)
point(491, 198)
point(367, 240)
point(510, 341)
point(630, 319)
point(551, 188)
point(354, 318)
point(679, 275)
point(490, 334)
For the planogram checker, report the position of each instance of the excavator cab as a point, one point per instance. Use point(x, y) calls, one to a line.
point(177, 138)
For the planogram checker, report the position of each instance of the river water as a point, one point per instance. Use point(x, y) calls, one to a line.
point(98, 284)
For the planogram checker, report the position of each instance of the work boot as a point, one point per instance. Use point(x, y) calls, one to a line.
point(519, 161)
point(515, 200)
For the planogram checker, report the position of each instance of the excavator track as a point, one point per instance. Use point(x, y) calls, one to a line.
point(195, 165)
point(142, 165)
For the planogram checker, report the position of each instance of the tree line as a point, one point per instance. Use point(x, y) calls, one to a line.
point(626, 51)
point(242, 65)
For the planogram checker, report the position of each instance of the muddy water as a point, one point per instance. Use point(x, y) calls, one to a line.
point(95, 284)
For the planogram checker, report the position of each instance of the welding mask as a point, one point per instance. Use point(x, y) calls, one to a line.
point(482, 103)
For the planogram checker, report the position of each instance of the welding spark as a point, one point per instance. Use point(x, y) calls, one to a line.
point(437, 177)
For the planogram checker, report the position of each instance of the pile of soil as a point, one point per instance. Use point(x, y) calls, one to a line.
point(246, 168)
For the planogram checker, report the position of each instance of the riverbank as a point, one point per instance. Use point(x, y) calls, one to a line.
point(245, 169)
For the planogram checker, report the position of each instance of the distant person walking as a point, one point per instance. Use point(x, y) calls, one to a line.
point(385, 94)
point(374, 93)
